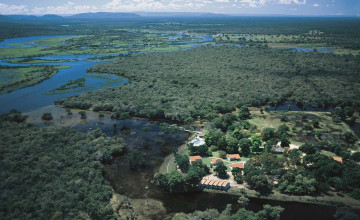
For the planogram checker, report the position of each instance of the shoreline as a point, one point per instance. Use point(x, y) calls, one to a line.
point(318, 200)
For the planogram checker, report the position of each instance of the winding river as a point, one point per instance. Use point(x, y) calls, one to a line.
point(35, 97)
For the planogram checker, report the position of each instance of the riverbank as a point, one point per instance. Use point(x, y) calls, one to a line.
point(332, 199)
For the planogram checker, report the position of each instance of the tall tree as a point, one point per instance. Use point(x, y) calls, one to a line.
point(244, 146)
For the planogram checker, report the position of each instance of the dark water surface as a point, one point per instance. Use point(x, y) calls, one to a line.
point(204, 200)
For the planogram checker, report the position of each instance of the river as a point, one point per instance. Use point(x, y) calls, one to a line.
point(35, 97)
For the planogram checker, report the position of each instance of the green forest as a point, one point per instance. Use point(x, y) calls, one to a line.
point(209, 80)
point(54, 173)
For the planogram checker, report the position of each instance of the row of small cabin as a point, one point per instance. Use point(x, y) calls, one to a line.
point(214, 184)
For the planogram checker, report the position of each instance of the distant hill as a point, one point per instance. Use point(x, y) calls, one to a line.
point(213, 15)
point(51, 16)
point(4, 18)
point(114, 15)
point(32, 17)
point(23, 17)
point(180, 14)
point(105, 15)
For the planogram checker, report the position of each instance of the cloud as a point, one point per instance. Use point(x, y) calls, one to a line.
point(316, 5)
point(260, 3)
point(143, 5)
point(67, 8)
point(288, 2)
point(156, 5)
point(13, 9)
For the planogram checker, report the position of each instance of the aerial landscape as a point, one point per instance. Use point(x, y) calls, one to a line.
point(168, 109)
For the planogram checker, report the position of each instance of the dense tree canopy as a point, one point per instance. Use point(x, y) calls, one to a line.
point(54, 172)
point(210, 80)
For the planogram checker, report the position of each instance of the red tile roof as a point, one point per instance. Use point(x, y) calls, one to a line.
point(224, 184)
point(207, 182)
point(195, 158)
point(338, 159)
point(238, 165)
point(234, 156)
point(216, 183)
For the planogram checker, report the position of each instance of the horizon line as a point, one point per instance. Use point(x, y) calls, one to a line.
point(214, 13)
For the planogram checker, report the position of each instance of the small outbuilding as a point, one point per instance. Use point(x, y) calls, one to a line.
point(237, 165)
point(233, 157)
point(195, 158)
point(338, 159)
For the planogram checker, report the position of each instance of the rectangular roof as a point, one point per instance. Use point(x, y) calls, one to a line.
point(238, 165)
point(224, 183)
point(207, 182)
point(194, 158)
point(216, 182)
point(236, 156)
point(338, 159)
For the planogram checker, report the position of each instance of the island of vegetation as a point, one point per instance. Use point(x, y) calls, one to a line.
point(14, 78)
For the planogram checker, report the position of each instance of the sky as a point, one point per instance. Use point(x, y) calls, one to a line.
point(261, 7)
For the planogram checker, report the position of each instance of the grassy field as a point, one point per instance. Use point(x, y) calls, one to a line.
point(37, 61)
point(273, 38)
point(299, 124)
point(15, 52)
point(51, 42)
point(347, 52)
point(287, 41)
point(307, 46)
point(169, 48)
